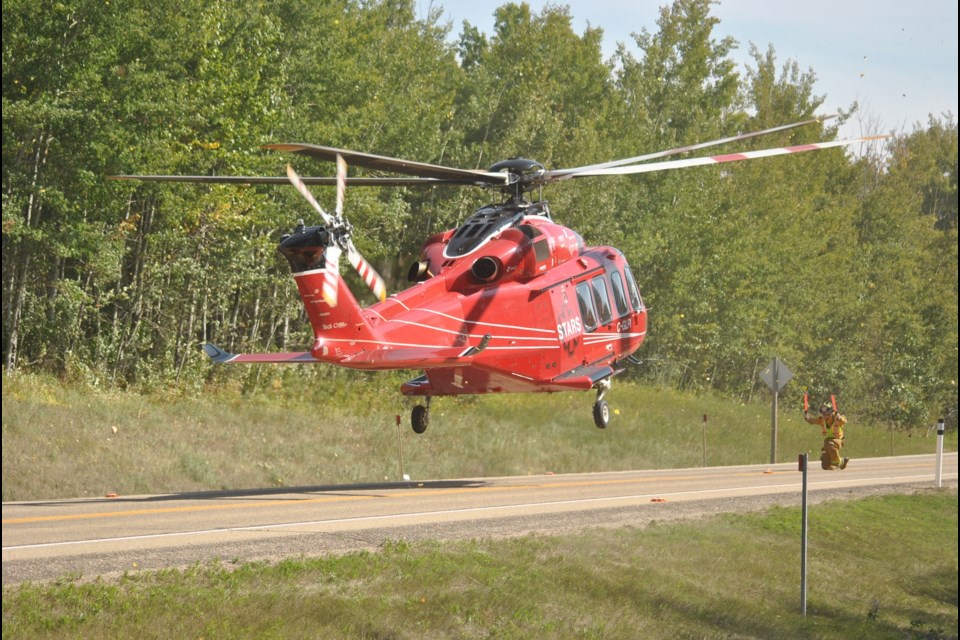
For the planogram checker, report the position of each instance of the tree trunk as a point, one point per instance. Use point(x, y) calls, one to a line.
point(22, 259)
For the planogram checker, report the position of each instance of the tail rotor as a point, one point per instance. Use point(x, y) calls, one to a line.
point(340, 232)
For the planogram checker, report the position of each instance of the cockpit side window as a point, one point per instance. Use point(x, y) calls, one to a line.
point(587, 310)
point(602, 299)
point(635, 299)
point(619, 297)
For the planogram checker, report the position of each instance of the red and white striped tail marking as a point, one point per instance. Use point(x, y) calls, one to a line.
point(369, 275)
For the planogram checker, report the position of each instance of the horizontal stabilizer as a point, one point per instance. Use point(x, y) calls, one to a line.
point(415, 357)
point(220, 356)
point(407, 358)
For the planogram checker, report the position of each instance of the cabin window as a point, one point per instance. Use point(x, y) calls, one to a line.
point(619, 297)
point(541, 248)
point(602, 299)
point(632, 288)
point(587, 311)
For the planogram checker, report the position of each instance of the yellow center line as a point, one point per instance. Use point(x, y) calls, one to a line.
point(329, 499)
point(399, 494)
point(204, 507)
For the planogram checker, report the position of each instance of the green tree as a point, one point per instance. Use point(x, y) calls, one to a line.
point(55, 237)
point(907, 234)
point(682, 90)
point(845, 266)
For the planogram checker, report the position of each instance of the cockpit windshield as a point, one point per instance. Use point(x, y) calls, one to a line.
point(635, 299)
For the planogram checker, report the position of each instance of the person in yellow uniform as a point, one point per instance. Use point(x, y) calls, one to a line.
point(831, 428)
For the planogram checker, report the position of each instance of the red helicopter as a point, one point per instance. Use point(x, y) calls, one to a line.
point(510, 301)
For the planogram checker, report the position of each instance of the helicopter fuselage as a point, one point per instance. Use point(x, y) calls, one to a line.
point(524, 307)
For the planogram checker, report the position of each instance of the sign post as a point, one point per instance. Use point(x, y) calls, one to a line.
point(400, 451)
point(939, 473)
point(704, 439)
point(776, 375)
point(804, 458)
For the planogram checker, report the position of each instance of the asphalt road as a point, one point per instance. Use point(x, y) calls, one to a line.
point(106, 537)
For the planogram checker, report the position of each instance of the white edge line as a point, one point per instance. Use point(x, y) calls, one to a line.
point(397, 516)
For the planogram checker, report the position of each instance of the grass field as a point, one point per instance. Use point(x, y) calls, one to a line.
point(64, 441)
point(879, 568)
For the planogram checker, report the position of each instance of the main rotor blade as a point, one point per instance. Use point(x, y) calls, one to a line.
point(397, 165)
point(560, 174)
point(341, 184)
point(318, 181)
point(729, 157)
point(302, 188)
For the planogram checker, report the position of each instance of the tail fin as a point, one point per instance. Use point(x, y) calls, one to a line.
point(339, 331)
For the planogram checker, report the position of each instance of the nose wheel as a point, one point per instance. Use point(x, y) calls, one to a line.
point(420, 417)
point(601, 410)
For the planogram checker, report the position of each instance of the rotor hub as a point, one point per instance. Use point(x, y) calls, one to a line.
point(524, 175)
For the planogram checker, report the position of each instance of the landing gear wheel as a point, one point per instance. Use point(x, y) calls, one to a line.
point(601, 414)
point(601, 410)
point(420, 418)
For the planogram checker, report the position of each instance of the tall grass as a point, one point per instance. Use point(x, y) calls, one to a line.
point(62, 440)
point(879, 568)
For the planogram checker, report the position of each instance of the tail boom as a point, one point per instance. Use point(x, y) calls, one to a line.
point(340, 331)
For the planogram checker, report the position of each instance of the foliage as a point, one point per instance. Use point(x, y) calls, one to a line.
point(845, 267)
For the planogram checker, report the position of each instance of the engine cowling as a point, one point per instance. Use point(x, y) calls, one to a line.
point(304, 248)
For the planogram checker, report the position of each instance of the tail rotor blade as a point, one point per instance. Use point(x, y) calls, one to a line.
point(367, 272)
point(331, 278)
point(338, 226)
point(302, 188)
